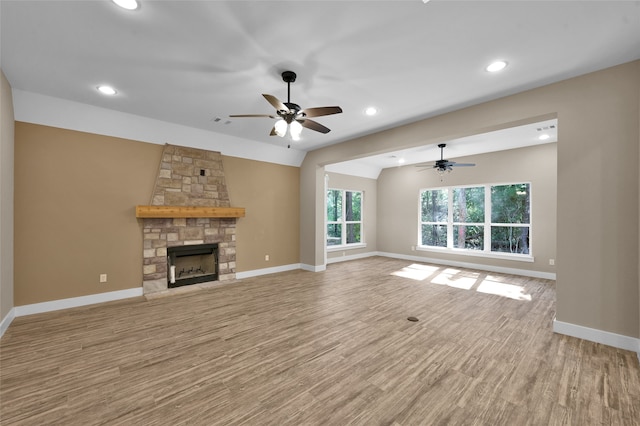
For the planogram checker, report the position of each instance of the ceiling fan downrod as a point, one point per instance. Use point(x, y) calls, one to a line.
point(288, 77)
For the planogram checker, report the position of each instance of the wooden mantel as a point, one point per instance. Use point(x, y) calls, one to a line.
point(188, 211)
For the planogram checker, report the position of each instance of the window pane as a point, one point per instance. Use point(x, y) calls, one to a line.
point(468, 205)
point(510, 239)
point(510, 203)
point(434, 235)
point(353, 233)
point(468, 237)
point(334, 205)
point(434, 205)
point(353, 203)
point(334, 234)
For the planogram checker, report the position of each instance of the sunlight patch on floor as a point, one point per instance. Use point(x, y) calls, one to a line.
point(464, 280)
point(416, 272)
point(511, 291)
point(451, 278)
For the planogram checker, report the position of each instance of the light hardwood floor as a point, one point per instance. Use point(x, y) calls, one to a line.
point(328, 348)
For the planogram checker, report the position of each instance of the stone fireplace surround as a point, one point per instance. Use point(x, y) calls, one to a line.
point(187, 177)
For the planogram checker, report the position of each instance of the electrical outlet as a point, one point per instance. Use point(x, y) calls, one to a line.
point(266, 257)
point(552, 262)
point(103, 278)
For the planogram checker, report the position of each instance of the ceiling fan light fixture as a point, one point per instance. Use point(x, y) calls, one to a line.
point(280, 128)
point(295, 129)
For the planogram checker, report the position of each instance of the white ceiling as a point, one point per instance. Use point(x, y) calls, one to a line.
point(188, 62)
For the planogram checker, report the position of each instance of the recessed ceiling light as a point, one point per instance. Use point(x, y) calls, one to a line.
point(127, 4)
point(544, 137)
point(401, 161)
point(107, 90)
point(496, 66)
point(371, 111)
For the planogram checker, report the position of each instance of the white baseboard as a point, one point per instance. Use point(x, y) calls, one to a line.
point(74, 302)
point(351, 257)
point(266, 271)
point(320, 268)
point(313, 268)
point(6, 321)
point(469, 265)
point(598, 336)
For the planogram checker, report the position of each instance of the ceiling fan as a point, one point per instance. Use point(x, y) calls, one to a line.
point(442, 165)
point(290, 116)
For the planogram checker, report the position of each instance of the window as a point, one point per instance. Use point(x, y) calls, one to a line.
point(487, 218)
point(344, 217)
point(468, 218)
point(434, 217)
point(510, 218)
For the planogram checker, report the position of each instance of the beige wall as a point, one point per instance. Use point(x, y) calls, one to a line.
point(598, 186)
point(75, 198)
point(270, 193)
point(6, 197)
point(369, 214)
point(75, 212)
point(398, 189)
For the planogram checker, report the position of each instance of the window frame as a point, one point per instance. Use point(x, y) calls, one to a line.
point(343, 222)
point(487, 224)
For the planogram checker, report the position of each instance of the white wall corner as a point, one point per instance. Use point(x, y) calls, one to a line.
point(6, 321)
point(313, 268)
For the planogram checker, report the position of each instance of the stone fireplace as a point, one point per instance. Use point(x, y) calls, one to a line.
point(190, 210)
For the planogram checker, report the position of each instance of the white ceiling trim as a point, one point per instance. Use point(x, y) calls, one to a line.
point(35, 108)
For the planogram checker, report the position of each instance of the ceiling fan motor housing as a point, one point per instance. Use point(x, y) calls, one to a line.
point(289, 76)
point(293, 113)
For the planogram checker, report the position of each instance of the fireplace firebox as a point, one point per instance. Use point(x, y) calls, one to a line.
point(192, 264)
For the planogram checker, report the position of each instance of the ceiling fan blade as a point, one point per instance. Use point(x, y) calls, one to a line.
point(314, 125)
point(319, 111)
point(253, 115)
point(462, 164)
point(277, 104)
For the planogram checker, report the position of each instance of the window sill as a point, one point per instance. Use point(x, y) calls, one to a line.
point(346, 247)
point(462, 252)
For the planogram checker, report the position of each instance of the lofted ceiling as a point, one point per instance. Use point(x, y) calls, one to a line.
point(194, 63)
